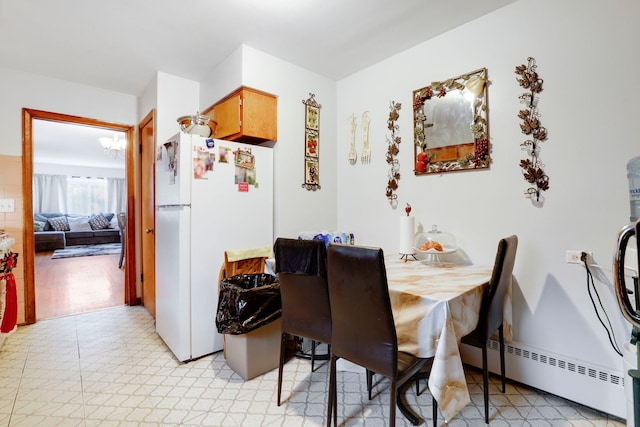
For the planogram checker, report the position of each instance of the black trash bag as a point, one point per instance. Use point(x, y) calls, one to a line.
point(246, 302)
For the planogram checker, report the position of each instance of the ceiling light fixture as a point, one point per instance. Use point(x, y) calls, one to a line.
point(113, 147)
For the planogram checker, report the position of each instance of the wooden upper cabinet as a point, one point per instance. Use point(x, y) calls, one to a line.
point(245, 115)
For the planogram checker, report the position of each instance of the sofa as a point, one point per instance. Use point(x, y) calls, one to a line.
point(58, 230)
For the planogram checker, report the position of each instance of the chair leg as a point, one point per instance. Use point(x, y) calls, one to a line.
point(434, 405)
point(485, 382)
point(369, 382)
point(283, 341)
point(501, 335)
point(332, 404)
point(313, 355)
point(392, 404)
point(121, 260)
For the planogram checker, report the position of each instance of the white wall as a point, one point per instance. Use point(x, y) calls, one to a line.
point(224, 79)
point(176, 97)
point(295, 209)
point(148, 99)
point(22, 90)
point(589, 62)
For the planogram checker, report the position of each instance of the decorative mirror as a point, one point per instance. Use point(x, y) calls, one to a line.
point(451, 126)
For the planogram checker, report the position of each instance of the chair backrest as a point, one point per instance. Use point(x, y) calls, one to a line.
point(121, 220)
point(253, 263)
point(363, 328)
point(491, 310)
point(301, 267)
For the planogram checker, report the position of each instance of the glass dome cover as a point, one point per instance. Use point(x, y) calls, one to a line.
point(435, 242)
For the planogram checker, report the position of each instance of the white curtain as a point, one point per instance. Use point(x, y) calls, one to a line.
point(49, 193)
point(117, 191)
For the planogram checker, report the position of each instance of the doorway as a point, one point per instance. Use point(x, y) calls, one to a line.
point(129, 291)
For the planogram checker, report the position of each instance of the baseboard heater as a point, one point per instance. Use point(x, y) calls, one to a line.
point(571, 379)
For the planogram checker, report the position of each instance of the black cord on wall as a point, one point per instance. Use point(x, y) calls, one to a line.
point(591, 284)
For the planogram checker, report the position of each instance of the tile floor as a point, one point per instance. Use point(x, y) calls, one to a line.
point(110, 368)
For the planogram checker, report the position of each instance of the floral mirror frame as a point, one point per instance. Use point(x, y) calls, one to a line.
point(451, 125)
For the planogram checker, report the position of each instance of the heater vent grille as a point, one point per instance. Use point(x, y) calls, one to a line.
point(561, 363)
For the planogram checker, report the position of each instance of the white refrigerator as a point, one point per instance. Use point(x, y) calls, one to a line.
point(211, 195)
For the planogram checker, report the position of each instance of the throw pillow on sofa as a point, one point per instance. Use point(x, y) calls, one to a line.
point(45, 218)
point(59, 223)
point(99, 222)
point(79, 224)
point(38, 225)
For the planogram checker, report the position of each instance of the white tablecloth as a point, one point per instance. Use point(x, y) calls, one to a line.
point(433, 308)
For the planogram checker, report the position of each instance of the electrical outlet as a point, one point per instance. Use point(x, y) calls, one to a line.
point(7, 205)
point(573, 257)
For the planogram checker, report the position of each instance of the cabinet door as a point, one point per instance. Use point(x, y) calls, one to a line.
point(259, 115)
point(246, 115)
point(227, 115)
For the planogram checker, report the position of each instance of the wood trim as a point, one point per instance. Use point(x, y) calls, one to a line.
point(150, 117)
point(28, 255)
point(130, 291)
point(28, 115)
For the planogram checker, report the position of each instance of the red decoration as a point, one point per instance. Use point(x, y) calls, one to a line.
point(10, 315)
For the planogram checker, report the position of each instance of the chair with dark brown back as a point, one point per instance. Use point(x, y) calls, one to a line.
point(363, 329)
point(492, 313)
point(301, 267)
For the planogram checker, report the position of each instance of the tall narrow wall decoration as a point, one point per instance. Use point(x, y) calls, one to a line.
point(311, 143)
point(392, 152)
point(532, 166)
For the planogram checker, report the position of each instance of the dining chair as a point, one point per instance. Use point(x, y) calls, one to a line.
point(492, 313)
point(244, 261)
point(301, 267)
point(363, 330)
point(122, 225)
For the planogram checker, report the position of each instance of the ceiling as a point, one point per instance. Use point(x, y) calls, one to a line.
point(120, 44)
point(73, 145)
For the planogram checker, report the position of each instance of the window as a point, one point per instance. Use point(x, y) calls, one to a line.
point(78, 195)
point(86, 196)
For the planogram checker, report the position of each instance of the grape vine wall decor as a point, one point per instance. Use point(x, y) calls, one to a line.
point(392, 152)
point(532, 166)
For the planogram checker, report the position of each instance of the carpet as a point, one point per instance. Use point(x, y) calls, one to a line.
point(87, 250)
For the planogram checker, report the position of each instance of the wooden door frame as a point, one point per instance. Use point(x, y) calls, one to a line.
point(150, 117)
point(28, 115)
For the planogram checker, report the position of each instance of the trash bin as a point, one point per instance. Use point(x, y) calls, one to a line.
point(249, 311)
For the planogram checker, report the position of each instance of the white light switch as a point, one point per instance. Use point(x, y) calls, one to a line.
point(7, 205)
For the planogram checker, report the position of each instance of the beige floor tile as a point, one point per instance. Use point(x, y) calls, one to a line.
point(87, 370)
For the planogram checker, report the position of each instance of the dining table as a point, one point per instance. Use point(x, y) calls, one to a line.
point(434, 306)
